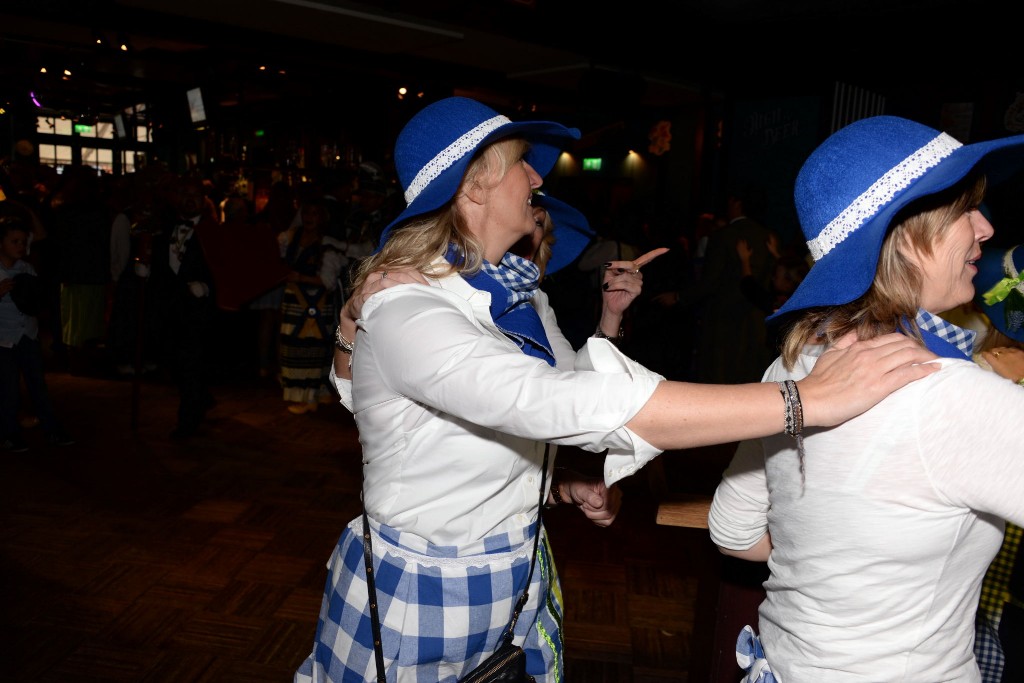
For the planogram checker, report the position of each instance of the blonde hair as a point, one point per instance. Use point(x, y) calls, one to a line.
point(418, 243)
point(892, 301)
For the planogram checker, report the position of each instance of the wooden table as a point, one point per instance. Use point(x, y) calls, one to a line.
point(686, 510)
point(726, 604)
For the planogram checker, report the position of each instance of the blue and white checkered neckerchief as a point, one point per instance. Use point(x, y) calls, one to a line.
point(511, 284)
point(944, 338)
point(519, 276)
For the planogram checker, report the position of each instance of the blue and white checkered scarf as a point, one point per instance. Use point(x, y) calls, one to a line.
point(512, 283)
point(943, 338)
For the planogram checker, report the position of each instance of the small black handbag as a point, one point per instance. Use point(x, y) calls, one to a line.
point(508, 663)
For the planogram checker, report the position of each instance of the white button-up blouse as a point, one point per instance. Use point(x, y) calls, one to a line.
point(453, 417)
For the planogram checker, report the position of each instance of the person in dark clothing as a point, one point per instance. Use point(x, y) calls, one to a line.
point(181, 284)
point(731, 345)
point(81, 232)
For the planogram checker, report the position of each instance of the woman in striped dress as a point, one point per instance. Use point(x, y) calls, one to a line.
point(309, 309)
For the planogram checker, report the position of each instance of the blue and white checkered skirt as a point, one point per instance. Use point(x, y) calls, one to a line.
point(442, 609)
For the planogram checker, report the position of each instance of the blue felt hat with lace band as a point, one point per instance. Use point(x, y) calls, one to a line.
point(435, 147)
point(999, 289)
point(572, 231)
point(854, 183)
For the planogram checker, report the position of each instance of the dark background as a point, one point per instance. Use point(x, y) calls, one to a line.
point(749, 87)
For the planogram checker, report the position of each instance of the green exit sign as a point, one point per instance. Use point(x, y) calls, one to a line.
point(83, 128)
point(592, 164)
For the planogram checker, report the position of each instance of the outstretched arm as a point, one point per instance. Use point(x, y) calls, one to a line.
point(845, 382)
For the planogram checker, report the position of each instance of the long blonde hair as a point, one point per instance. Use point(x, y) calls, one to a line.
point(419, 243)
point(892, 301)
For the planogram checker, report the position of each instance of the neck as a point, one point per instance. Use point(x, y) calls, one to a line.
point(492, 234)
point(495, 255)
point(495, 247)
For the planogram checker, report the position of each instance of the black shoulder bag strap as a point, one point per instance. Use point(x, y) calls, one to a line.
point(371, 586)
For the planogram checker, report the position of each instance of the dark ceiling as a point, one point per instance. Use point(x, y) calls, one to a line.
point(593, 60)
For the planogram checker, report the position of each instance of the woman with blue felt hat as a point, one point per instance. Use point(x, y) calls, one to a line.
point(460, 378)
point(877, 532)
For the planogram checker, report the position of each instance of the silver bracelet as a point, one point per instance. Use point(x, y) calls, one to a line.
point(342, 344)
point(794, 409)
point(794, 420)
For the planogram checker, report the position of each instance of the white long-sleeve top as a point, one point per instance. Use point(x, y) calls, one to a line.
point(878, 556)
point(453, 417)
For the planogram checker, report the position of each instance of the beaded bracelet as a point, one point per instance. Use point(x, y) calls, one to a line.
point(794, 409)
point(342, 344)
point(794, 417)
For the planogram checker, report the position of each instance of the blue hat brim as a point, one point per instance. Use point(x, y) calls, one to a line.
point(572, 232)
point(990, 271)
point(547, 140)
point(847, 271)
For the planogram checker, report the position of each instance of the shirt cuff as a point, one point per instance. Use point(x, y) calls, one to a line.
point(344, 387)
point(619, 464)
point(601, 355)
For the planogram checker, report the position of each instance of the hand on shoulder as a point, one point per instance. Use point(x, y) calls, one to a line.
point(854, 375)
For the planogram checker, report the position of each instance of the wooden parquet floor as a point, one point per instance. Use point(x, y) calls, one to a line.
point(130, 557)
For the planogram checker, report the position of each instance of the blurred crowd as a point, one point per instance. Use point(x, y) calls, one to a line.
point(202, 278)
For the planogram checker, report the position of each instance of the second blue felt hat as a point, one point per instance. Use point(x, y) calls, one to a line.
point(854, 183)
